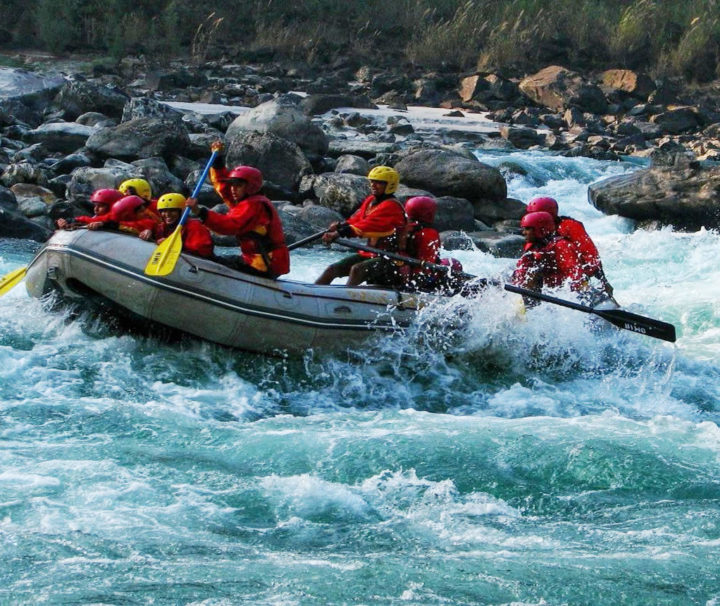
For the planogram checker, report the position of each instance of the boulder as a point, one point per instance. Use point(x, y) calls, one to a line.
point(147, 107)
point(342, 193)
point(522, 138)
point(635, 84)
point(676, 120)
point(281, 161)
point(558, 88)
point(319, 217)
point(140, 138)
point(161, 179)
point(7, 199)
point(284, 118)
point(64, 137)
point(319, 104)
point(454, 213)
point(85, 180)
point(447, 173)
point(357, 147)
point(354, 165)
point(15, 225)
point(77, 97)
point(27, 87)
point(685, 198)
point(484, 88)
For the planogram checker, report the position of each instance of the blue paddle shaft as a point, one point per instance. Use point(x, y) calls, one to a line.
point(198, 185)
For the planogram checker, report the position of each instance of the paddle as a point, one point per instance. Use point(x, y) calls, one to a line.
point(167, 253)
point(617, 317)
point(12, 279)
point(307, 240)
point(403, 258)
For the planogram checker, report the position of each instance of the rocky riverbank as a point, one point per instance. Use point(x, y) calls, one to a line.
point(64, 136)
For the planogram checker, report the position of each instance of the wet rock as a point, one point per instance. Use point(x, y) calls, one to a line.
point(283, 118)
point(364, 149)
point(95, 119)
point(15, 225)
point(454, 213)
point(281, 161)
point(7, 199)
point(319, 104)
point(71, 162)
point(146, 107)
point(24, 172)
point(26, 87)
point(140, 138)
point(161, 179)
point(685, 198)
point(447, 173)
point(522, 138)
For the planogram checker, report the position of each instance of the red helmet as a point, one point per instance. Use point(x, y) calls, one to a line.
point(105, 196)
point(541, 222)
point(124, 209)
point(421, 208)
point(544, 205)
point(252, 176)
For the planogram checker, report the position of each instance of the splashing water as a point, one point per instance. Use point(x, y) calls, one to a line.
point(477, 457)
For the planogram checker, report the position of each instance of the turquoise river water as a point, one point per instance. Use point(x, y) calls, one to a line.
point(536, 461)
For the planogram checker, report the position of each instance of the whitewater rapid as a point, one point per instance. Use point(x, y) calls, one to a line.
point(535, 460)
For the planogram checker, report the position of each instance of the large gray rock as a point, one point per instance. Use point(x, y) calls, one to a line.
point(559, 88)
point(446, 173)
point(339, 192)
point(355, 165)
point(64, 137)
point(147, 107)
point(86, 180)
point(454, 213)
point(161, 179)
point(15, 225)
point(27, 87)
point(7, 199)
point(281, 161)
point(77, 97)
point(33, 200)
point(683, 197)
point(319, 217)
point(140, 138)
point(284, 118)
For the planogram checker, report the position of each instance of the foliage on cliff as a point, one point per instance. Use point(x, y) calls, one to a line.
point(660, 36)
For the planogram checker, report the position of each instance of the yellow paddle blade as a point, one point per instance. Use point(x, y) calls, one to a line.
point(12, 279)
point(165, 257)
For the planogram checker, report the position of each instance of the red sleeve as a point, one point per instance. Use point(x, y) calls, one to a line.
point(240, 220)
point(527, 270)
point(379, 221)
point(84, 219)
point(197, 239)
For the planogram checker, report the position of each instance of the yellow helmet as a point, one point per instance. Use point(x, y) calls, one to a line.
point(387, 174)
point(136, 187)
point(168, 201)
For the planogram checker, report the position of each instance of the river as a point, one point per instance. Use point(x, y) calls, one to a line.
point(516, 460)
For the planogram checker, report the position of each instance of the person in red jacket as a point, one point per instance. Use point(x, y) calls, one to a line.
point(196, 238)
point(377, 219)
point(574, 231)
point(102, 199)
point(139, 187)
point(548, 259)
point(129, 214)
point(252, 219)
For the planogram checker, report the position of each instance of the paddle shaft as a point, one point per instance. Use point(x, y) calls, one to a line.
point(618, 317)
point(307, 240)
point(403, 258)
point(198, 187)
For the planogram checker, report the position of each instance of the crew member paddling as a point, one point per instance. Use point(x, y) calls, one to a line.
point(379, 215)
point(252, 219)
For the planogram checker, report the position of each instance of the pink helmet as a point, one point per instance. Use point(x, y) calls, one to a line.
point(252, 176)
point(421, 208)
point(105, 196)
point(545, 205)
point(124, 209)
point(541, 222)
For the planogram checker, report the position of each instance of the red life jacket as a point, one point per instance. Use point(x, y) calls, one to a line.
point(574, 231)
point(550, 263)
point(256, 224)
point(196, 238)
point(377, 220)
